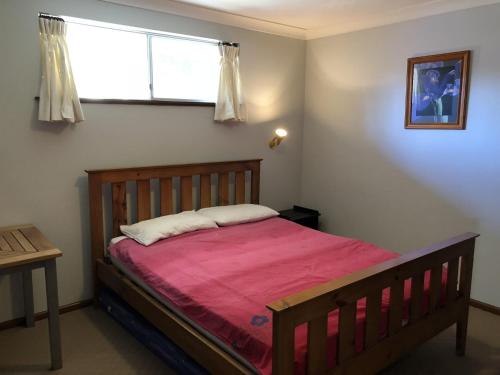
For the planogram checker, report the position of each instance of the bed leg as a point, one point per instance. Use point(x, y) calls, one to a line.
point(96, 303)
point(462, 334)
point(465, 282)
point(283, 344)
point(97, 290)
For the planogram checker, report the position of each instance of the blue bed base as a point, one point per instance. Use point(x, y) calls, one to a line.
point(147, 334)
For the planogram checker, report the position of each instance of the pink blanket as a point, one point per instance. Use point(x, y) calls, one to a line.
point(223, 278)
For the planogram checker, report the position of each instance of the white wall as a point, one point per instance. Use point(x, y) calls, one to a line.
point(398, 188)
point(42, 166)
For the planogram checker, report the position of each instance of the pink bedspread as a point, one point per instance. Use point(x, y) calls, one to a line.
point(223, 278)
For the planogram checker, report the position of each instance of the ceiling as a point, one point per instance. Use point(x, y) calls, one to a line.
point(306, 19)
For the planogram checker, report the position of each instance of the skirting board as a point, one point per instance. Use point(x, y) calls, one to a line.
point(485, 306)
point(79, 305)
point(42, 315)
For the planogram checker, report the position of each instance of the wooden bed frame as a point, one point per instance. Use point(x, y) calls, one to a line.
point(310, 306)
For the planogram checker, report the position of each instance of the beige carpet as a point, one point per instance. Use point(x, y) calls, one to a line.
point(94, 344)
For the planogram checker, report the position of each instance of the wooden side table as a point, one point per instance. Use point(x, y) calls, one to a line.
point(22, 249)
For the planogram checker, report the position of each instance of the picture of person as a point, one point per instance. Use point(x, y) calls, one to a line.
point(436, 92)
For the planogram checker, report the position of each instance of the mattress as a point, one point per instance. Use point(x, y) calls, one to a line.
point(221, 279)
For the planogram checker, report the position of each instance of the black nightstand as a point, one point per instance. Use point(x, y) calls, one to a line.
point(301, 215)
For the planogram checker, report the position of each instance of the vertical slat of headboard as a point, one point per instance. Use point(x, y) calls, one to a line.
point(186, 193)
point(255, 184)
point(119, 206)
point(239, 182)
point(205, 191)
point(166, 207)
point(143, 200)
point(223, 189)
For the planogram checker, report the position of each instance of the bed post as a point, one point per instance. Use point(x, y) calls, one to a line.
point(464, 289)
point(283, 343)
point(96, 227)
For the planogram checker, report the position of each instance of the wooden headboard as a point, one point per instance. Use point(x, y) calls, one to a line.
point(190, 183)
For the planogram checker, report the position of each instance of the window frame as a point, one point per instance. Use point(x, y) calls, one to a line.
point(149, 35)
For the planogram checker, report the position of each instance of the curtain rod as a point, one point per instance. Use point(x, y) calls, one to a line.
point(176, 36)
point(49, 16)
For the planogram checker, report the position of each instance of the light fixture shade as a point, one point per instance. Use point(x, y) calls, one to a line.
point(280, 132)
point(280, 135)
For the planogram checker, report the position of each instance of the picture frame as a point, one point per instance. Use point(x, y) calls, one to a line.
point(437, 91)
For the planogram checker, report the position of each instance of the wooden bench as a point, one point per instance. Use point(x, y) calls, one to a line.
point(22, 249)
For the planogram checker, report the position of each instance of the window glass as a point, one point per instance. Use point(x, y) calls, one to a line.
point(107, 63)
point(131, 63)
point(184, 69)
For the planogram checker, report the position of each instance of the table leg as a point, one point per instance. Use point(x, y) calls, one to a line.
point(53, 310)
point(29, 312)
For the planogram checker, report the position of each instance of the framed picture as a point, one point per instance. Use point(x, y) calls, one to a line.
point(436, 91)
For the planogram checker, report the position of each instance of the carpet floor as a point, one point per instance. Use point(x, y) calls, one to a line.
point(95, 344)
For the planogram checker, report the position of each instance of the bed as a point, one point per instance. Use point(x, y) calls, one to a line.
point(371, 312)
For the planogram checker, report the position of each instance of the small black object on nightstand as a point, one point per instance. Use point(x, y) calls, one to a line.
point(301, 215)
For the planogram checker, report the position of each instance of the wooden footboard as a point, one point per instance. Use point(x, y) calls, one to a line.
point(313, 306)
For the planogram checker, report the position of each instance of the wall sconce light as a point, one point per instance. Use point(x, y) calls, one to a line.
point(280, 135)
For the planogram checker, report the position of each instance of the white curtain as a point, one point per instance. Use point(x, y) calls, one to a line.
point(58, 97)
point(230, 104)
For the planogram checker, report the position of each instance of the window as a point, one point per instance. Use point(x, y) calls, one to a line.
point(184, 69)
point(119, 62)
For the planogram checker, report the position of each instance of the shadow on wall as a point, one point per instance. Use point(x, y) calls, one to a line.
point(363, 193)
point(401, 189)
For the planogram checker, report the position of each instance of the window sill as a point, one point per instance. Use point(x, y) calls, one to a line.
point(181, 103)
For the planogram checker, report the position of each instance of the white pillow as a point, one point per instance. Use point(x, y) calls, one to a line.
point(115, 240)
point(148, 232)
point(237, 214)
